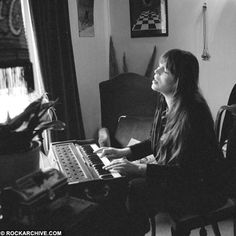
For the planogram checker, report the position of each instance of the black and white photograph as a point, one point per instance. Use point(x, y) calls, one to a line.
point(86, 18)
point(117, 118)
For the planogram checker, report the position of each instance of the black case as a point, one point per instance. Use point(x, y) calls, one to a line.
point(32, 197)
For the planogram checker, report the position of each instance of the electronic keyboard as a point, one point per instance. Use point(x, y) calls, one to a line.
point(79, 163)
point(84, 171)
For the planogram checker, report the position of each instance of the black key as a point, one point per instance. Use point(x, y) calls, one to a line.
point(87, 149)
point(100, 170)
point(94, 159)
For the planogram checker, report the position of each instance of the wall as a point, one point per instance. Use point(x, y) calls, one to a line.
point(217, 76)
point(91, 60)
point(185, 31)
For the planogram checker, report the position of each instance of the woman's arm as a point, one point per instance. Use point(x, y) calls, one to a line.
point(127, 168)
point(140, 150)
point(132, 153)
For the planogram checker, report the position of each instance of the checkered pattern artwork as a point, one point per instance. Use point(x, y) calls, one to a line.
point(148, 20)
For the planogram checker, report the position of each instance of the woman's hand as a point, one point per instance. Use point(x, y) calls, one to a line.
point(123, 166)
point(113, 153)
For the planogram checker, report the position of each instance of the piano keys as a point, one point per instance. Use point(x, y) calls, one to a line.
point(84, 169)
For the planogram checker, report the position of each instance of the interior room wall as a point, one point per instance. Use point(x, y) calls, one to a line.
point(91, 62)
point(217, 76)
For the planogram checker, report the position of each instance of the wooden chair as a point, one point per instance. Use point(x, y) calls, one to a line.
point(182, 225)
point(127, 108)
point(227, 122)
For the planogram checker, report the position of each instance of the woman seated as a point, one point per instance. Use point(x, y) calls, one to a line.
point(183, 143)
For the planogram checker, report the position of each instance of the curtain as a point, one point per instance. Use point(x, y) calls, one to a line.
point(53, 38)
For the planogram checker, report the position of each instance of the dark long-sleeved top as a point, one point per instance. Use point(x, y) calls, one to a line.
point(193, 167)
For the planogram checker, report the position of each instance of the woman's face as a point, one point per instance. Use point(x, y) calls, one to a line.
point(163, 82)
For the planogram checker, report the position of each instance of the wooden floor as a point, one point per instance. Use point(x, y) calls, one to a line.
point(163, 228)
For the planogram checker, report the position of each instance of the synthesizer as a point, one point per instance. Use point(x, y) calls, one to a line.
point(79, 163)
point(85, 174)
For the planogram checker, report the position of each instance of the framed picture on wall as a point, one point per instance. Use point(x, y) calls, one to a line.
point(148, 18)
point(86, 18)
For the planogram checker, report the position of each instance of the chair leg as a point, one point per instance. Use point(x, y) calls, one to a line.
point(176, 232)
point(202, 231)
point(153, 225)
point(215, 228)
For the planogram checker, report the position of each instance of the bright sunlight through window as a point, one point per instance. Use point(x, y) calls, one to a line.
point(14, 96)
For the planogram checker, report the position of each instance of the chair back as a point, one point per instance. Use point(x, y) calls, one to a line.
point(132, 127)
point(228, 166)
point(227, 122)
point(231, 145)
point(128, 94)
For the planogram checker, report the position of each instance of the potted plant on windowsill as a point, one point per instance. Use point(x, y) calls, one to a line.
point(20, 140)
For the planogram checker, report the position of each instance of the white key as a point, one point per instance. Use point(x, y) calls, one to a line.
point(105, 161)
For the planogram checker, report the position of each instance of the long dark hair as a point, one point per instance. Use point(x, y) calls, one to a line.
point(184, 67)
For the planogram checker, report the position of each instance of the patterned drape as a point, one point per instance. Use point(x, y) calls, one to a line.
point(13, 45)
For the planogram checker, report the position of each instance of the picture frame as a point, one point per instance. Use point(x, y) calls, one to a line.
point(86, 18)
point(148, 18)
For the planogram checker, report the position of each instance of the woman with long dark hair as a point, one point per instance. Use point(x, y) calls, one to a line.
point(183, 143)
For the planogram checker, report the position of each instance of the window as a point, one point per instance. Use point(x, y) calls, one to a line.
point(20, 80)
